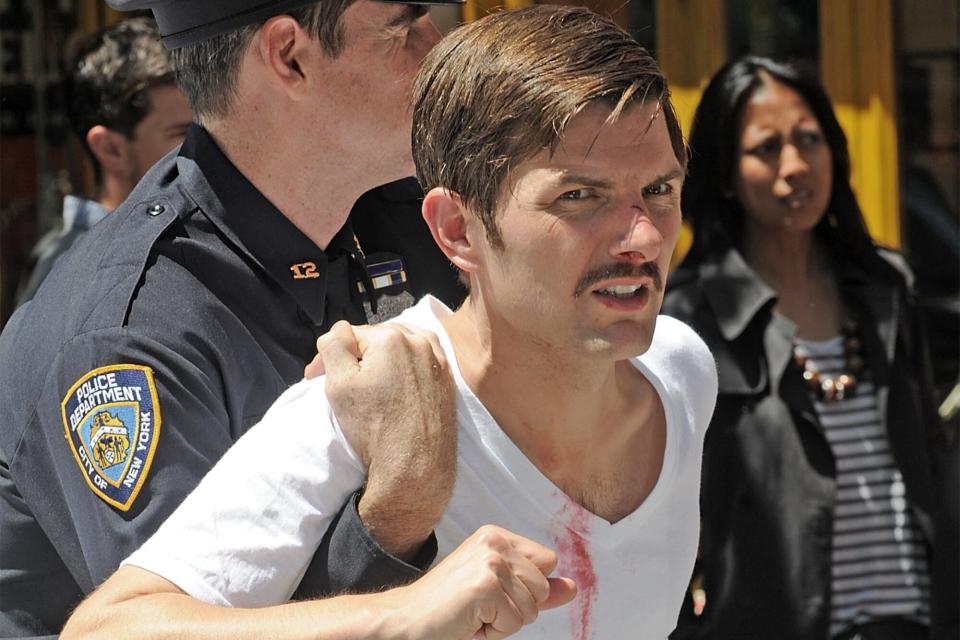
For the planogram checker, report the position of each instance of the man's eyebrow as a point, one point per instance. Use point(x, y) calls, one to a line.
point(410, 13)
point(587, 181)
point(670, 175)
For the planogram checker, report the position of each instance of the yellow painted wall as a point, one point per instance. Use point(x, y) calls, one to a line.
point(95, 14)
point(689, 62)
point(857, 67)
point(474, 9)
point(691, 46)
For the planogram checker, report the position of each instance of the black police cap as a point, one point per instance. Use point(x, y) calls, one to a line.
point(183, 22)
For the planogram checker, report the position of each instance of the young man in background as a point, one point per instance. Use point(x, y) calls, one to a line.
point(124, 106)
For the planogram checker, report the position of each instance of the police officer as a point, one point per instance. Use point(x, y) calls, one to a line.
point(169, 329)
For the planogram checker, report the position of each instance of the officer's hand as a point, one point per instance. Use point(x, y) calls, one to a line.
point(489, 587)
point(392, 393)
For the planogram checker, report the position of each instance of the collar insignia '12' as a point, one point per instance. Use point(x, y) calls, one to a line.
point(112, 422)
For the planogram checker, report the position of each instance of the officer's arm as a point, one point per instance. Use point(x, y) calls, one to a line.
point(169, 409)
point(69, 516)
point(491, 585)
point(29, 607)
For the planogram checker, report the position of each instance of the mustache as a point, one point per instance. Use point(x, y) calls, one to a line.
point(619, 270)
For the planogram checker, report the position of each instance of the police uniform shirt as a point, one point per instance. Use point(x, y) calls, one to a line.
point(161, 337)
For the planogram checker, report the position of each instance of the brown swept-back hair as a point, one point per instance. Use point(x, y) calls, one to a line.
point(497, 91)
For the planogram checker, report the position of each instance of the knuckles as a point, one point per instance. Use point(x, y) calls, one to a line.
point(388, 337)
point(492, 537)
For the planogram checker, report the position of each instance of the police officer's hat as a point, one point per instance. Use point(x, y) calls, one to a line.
point(184, 22)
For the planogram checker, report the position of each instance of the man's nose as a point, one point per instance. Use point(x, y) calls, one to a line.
point(639, 240)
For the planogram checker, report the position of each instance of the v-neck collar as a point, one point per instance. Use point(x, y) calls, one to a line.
point(546, 495)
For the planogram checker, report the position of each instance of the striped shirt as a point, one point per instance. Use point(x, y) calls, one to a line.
point(879, 558)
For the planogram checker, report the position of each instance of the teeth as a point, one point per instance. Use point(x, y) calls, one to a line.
point(621, 289)
point(796, 199)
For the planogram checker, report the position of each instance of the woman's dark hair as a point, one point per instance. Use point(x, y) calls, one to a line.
point(716, 215)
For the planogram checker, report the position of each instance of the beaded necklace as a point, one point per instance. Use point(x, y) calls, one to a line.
point(844, 384)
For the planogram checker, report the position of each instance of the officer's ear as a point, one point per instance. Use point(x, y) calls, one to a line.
point(454, 228)
point(111, 149)
point(286, 50)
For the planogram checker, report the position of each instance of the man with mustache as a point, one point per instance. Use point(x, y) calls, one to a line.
point(552, 161)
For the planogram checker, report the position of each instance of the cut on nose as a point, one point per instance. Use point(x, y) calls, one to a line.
point(642, 242)
point(632, 257)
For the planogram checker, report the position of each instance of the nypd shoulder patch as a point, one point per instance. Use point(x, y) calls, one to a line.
point(112, 422)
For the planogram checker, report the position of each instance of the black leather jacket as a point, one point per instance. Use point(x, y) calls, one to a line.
point(769, 485)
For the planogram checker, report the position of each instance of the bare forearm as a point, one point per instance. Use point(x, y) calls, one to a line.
point(171, 616)
point(400, 530)
point(118, 611)
point(492, 584)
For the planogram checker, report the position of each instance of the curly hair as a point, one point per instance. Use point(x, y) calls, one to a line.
point(109, 77)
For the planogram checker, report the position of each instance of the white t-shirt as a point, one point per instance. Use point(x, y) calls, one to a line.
point(246, 534)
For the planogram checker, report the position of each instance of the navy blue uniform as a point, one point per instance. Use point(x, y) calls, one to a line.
point(166, 333)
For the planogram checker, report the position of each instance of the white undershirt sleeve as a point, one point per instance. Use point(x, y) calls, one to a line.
point(246, 534)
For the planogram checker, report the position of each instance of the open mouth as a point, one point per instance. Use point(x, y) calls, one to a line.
point(797, 199)
point(621, 291)
point(620, 281)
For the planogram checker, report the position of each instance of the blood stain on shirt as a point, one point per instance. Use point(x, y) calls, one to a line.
point(574, 561)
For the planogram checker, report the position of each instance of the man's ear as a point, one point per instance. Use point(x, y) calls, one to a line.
point(449, 223)
point(110, 148)
point(283, 47)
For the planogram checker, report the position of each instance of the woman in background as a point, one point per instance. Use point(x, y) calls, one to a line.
point(819, 497)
